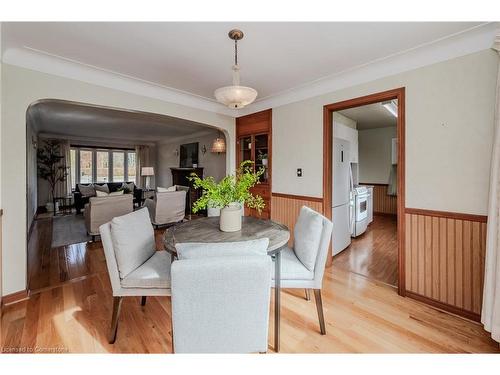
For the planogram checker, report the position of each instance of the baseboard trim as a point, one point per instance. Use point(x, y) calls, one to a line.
point(15, 297)
point(297, 197)
point(447, 214)
point(444, 306)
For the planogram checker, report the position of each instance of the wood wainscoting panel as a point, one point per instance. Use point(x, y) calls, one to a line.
point(383, 203)
point(445, 255)
point(285, 208)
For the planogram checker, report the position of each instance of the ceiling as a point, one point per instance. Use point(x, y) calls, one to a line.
point(196, 58)
point(65, 118)
point(370, 116)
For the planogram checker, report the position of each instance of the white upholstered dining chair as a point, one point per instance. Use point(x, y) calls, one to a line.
point(303, 266)
point(221, 297)
point(135, 267)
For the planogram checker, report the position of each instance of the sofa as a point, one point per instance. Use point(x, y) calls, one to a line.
point(101, 210)
point(81, 199)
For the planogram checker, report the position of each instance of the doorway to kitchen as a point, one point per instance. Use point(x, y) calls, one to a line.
point(363, 186)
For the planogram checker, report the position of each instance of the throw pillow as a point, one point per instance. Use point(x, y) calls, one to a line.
point(133, 240)
point(172, 188)
point(128, 187)
point(87, 190)
point(114, 193)
point(190, 250)
point(100, 193)
point(307, 236)
point(161, 189)
point(104, 188)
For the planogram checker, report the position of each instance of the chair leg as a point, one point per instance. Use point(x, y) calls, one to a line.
point(117, 304)
point(308, 294)
point(143, 301)
point(319, 307)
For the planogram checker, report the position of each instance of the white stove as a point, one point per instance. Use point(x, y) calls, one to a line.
point(359, 221)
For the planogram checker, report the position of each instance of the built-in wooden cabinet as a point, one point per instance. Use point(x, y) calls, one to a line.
point(254, 142)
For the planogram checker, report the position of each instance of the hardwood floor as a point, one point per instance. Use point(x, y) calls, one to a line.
point(362, 316)
point(375, 253)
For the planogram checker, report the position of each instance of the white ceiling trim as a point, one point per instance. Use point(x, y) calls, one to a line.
point(470, 41)
point(42, 61)
point(460, 44)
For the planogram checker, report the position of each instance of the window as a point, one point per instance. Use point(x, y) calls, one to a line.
point(102, 165)
point(86, 166)
point(118, 166)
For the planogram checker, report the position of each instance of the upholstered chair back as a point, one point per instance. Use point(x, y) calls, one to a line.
point(101, 210)
point(168, 207)
point(109, 253)
point(221, 304)
point(323, 236)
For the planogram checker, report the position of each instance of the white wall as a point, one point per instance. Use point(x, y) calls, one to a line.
point(213, 164)
point(31, 172)
point(21, 87)
point(449, 130)
point(375, 148)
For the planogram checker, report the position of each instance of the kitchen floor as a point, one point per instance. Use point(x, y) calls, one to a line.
point(374, 254)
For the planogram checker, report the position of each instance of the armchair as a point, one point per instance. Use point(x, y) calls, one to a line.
point(167, 208)
point(103, 209)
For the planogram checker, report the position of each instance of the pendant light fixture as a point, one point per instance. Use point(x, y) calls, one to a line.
point(235, 96)
point(218, 145)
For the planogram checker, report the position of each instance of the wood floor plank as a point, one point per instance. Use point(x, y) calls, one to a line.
point(362, 316)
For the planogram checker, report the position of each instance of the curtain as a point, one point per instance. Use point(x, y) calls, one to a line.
point(490, 315)
point(392, 188)
point(63, 188)
point(142, 156)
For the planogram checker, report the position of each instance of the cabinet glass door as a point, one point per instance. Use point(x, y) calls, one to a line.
point(261, 155)
point(246, 149)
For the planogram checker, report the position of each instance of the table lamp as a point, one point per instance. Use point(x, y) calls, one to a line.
point(147, 172)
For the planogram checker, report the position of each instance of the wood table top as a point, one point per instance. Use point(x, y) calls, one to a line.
point(207, 230)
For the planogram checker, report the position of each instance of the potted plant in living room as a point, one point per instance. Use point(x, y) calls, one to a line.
point(230, 195)
point(50, 168)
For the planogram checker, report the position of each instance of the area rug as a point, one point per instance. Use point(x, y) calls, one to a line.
point(69, 229)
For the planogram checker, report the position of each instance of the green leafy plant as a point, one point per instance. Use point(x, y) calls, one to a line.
point(231, 189)
point(49, 164)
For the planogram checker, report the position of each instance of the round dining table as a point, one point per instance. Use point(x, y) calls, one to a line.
point(206, 230)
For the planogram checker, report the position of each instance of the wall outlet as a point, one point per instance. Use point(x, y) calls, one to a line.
point(299, 172)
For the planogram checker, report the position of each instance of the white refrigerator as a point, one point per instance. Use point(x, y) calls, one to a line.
point(341, 214)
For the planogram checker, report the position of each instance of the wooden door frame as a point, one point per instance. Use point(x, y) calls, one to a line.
point(328, 110)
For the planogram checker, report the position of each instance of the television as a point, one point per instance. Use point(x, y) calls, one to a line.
point(188, 155)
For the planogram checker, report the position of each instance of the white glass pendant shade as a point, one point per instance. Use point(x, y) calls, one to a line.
point(235, 96)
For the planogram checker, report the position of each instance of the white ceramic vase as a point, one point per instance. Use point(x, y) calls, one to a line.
point(230, 218)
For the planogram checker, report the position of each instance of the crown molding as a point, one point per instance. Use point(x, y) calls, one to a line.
point(464, 43)
point(41, 61)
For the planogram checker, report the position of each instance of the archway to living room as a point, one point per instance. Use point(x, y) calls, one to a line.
point(101, 151)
